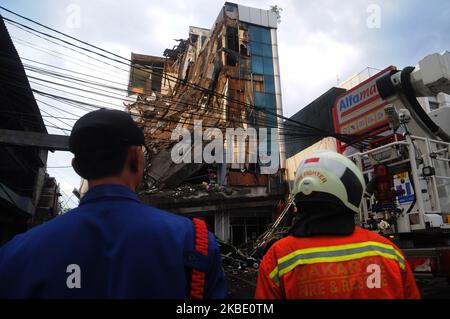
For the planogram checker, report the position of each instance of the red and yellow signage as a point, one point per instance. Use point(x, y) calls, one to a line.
point(360, 109)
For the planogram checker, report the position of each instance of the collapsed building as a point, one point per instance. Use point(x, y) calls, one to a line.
point(226, 77)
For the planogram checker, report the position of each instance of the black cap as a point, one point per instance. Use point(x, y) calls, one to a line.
point(104, 129)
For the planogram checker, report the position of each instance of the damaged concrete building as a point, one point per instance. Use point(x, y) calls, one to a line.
point(227, 77)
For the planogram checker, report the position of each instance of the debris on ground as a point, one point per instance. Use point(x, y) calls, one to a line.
point(240, 270)
point(192, 190)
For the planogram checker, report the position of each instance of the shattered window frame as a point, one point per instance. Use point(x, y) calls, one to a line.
point(232, 44)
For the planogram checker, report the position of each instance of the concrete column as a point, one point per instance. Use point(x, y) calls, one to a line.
point(276, 71)
point(222, 226)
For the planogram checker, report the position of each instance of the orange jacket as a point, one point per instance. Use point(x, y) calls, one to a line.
point(362, 265)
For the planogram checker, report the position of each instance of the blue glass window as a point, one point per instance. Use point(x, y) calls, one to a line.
point(260, 99)
point(268, 66)
point(262, 64)
point(256, 48)
point(259, 34)
point(255, 34)
point(257, 65)
point(265, 100)
point(265, 36)
point(269, 84)
point(270, 103)
point(266, 50)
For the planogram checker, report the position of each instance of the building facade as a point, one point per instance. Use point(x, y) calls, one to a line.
point(226, 77)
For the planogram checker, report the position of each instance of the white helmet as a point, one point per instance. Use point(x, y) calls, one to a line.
point(329, 176)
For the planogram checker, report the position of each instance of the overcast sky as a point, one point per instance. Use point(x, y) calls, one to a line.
point(320, 41)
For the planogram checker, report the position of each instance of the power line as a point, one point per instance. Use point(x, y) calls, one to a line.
point(204, 90)
point(320, 132)
point(253, 123)
point(69, 166)
point(156, 106)
point(65, 57)
point(37, 115)
point(58, 119)
point(290, 137)
point(95, 106)
point(61, 110)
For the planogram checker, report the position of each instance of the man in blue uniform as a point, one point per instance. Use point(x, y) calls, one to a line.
point(111, 246)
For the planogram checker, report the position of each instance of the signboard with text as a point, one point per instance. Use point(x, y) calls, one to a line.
point(402, 184)
point(360, 109)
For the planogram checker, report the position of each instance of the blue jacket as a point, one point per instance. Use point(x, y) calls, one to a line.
point(120, 247)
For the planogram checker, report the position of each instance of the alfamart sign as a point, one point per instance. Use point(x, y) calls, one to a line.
point(361, 108)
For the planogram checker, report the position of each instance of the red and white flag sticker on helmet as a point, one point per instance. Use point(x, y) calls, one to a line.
point(312, 160)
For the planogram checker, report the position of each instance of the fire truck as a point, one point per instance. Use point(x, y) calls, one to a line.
point(402, 147)
point(403, 153)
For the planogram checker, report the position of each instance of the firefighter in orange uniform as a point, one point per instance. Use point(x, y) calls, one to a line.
point(326, 255)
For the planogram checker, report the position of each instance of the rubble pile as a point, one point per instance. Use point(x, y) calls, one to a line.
point(191, 190)
point(240, 270)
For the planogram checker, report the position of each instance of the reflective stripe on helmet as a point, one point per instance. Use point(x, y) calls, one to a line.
point(338, 253)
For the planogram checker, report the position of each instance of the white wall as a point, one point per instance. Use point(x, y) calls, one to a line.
point(292, 163)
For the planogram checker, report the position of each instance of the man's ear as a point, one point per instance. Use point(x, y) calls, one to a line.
point(133, 158)
point(75, 166)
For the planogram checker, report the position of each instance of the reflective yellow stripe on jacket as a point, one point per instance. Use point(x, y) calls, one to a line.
point(334, 254)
